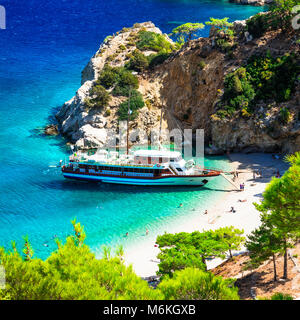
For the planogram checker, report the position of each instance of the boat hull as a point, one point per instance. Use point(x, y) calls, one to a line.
point(162, 181)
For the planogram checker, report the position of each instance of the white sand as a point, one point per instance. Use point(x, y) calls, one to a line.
point(143, 257)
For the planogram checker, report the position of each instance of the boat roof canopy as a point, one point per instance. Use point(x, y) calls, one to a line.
point(157, 153)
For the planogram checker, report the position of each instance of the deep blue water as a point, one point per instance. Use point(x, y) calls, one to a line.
point(42, 52)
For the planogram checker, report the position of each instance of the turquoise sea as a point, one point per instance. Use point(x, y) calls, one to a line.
point(42, 52)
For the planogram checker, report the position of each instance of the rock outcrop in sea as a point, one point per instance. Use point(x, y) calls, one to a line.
point(253, 2)
point(189, 85)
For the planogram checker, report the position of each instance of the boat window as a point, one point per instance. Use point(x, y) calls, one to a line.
point(179, 169)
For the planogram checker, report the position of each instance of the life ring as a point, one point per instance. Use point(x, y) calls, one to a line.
point(157, 165)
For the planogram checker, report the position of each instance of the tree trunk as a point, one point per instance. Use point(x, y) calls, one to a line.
point(230, 253)
point(274, 265)
point(285, 263)
point(204, 262)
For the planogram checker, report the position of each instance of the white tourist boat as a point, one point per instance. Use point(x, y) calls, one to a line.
point(142, 167)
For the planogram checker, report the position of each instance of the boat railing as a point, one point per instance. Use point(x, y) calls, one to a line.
point(208, 169)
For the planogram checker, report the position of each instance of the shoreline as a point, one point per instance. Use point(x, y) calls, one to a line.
point(143, 257)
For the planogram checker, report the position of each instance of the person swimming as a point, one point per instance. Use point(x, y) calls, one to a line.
point(180, 205)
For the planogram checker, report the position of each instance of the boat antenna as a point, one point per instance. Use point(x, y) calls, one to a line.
point(128, 115)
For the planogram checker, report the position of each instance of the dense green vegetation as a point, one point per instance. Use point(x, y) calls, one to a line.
point(195, 284)
point(148, 40)
point(279, 16)
point(138, 61)
point(118, 78)
point(278, 296)
point(73, 273)
point(182, 250)
point(280, 217)
point(263, 77)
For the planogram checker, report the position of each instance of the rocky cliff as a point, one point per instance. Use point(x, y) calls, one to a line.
point(188, 85)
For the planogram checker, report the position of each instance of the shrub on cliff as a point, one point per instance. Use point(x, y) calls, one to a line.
point(136, 103)
point(238, 91)
point(138, 61)
point(153, 41)
point(263, 78)
point(99, 97)
point(258, 25)
point(156, 59)
point(282, 13)
point(109, 76)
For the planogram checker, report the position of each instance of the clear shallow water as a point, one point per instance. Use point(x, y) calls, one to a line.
point(42, 52)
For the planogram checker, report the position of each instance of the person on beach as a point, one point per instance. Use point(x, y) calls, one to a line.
point(205, 212)
point(147, 231)
point(232, 210)
point(254, 175)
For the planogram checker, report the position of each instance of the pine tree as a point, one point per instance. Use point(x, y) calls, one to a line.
point(263, 243)
point(195, 284)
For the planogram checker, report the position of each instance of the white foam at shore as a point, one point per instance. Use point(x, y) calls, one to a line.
point(143, 256)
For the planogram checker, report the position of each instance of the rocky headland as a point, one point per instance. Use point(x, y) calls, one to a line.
point(189, 84)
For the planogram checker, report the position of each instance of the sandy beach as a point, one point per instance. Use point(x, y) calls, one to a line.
point(143, 257)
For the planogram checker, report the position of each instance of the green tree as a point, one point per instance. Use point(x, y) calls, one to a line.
point(221, 25)
point(187, 30)
point(281, 205)
point(184, 249)
point(195, 284)
point(263, 243)
point(71, 273)
point(231, 237)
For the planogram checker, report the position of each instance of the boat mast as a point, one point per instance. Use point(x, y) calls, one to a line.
point(160, 124)
point(128, 115)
